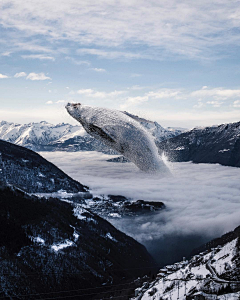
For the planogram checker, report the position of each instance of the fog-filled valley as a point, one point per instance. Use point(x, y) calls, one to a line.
point(201, 199)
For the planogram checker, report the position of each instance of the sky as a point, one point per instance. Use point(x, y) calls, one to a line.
point(174, 62)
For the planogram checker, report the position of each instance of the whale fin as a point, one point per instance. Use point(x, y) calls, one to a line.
point(93, 128)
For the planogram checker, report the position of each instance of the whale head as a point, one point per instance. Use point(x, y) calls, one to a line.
point(73, 110)
point(83, 115)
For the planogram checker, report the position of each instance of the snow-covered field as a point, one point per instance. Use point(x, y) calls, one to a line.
point(199, 197)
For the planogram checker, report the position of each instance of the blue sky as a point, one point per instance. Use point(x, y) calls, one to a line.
point(176, 62)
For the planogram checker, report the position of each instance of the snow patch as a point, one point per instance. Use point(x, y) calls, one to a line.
point(224, 150)
point(39, 240)
point(60, 246)
point(110, 237)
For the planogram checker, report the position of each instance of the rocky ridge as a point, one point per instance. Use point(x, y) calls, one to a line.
point(216, 144)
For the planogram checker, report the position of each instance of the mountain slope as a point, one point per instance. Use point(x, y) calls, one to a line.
point(32, 173)
point(217, 144)
point(54, 249)
point(212, 274)
point(44, 136)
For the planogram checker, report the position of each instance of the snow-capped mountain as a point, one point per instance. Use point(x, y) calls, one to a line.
point(216, 144)
point(211, 274)
point(159, 133)
point(36, 134)
point(44, 136)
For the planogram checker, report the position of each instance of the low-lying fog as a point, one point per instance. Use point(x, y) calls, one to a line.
point(202, 200)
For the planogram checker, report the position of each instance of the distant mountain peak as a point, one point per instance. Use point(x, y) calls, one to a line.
point(44, 136)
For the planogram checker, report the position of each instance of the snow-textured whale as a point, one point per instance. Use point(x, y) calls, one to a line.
point(121, 133)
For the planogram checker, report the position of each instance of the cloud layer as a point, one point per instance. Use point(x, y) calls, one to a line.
point(185, 28)
point(201, 199)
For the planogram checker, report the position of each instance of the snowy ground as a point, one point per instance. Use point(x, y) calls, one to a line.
point(200, 198)
point(193, 277)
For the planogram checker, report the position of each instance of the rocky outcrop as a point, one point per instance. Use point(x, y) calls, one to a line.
point(117, 206)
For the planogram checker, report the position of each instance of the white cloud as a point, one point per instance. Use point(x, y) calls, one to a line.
point(78, 62)
point(37, 76)
point(2, 76)
point(158, 94)
point(38, 56)
point(217, 93)
point(99, 70)
point(96, 94)
point(56, 102)
point(7, 53)
point(165, 93)
point(20, 74)
point(216, 97)
point(186, 28)
point(132, 101)
point(215, 103)
point(110, 54)
point(236, 103)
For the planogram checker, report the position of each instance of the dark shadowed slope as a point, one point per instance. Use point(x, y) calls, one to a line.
point(217, 144)
point(53, 247)
point(32, 173)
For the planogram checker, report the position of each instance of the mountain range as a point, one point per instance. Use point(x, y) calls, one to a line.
point(44, 136)
point(216, 144)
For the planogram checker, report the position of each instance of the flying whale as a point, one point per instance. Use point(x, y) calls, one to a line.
point(121, 133)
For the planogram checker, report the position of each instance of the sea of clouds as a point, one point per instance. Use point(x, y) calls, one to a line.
point(202, 200)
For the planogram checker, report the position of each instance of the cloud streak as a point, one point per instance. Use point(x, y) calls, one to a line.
point(20, 74)
point(37, 76)
point(97, 94)
point(196, 30)
point(2, 76)
point(38, 56)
